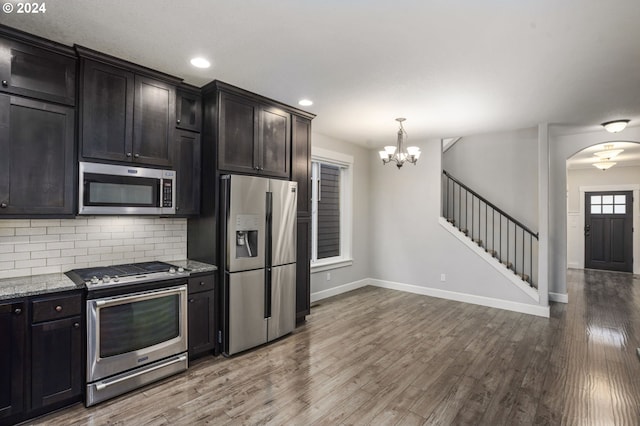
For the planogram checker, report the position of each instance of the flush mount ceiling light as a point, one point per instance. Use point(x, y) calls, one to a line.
point(397, 153)
point(608, 152)
point(615, 126)
point(305, 102)
point(200, 62)
point(604, 165)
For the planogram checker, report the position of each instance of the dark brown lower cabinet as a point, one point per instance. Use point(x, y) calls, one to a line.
point(56, 361)
point(303, 269)
point(201, 307)
point(13, 326)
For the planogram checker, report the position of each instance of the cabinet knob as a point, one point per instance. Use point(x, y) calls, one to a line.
point(136, 155)
point(177, 208)
point(5, 83)
point(191, 300)
point(17, 311)
point(201, 282)
point(58, 308)
point(256, 168)
point(178, 121)
point(76, 325)
point(261, 168)
point(3, 205)
point(129, 154)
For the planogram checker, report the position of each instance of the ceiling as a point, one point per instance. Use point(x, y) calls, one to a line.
point(452, 68)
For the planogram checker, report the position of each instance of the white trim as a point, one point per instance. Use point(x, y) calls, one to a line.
point(541, 311)
point(333, 264)
point(320, 154)
point(508, 274)
point(559, 297)
point(334, 291)
point(635, 188)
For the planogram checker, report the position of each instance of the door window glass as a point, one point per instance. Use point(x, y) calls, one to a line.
point(608, 204)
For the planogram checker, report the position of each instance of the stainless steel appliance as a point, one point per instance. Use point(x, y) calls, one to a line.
point(259, 284)
point(113, 189)
point(136, 326)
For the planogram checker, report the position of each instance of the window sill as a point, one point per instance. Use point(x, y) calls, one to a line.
point(332, 264)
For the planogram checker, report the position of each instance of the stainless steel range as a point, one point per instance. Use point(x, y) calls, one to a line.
point(136, 325)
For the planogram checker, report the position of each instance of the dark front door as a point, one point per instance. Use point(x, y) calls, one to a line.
point(608, 231)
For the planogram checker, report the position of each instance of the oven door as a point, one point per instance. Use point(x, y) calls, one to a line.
point(125, 332)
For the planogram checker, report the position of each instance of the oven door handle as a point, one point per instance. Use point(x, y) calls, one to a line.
point(106, 384)
point(119, 300)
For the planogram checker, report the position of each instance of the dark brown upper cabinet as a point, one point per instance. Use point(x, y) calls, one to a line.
point(253, 137)
point(37, 158)
point(187, 166)
point(188, 108)
point(127, 112)
point(47, 72)
point(300, 162)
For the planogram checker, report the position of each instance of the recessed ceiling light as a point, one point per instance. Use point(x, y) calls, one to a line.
point(200, 63)
point(305, 102)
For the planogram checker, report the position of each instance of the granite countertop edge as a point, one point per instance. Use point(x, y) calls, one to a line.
point(18, 287)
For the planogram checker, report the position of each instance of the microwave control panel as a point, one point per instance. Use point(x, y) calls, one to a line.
point(167, 193)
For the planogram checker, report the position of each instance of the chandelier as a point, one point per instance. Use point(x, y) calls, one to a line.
point(397, 153)
point(604, 157)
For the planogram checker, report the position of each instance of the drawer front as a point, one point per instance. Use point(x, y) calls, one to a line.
point(202, 283)
point(56, 307)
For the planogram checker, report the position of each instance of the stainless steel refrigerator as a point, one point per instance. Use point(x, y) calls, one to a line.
point(259, 288)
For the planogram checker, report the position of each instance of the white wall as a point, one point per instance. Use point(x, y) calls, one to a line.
point(562, 147)
point(359, 270)
point(615, 177)
point(409, 246)
point(45, 246)
point(482, 162)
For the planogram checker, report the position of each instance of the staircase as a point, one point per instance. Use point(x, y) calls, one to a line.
point(507, 240)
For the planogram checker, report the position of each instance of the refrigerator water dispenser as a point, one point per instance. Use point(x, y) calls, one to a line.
point(247, 235)
point(246, 243)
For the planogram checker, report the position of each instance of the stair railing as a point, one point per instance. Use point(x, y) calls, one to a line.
point(502, 236)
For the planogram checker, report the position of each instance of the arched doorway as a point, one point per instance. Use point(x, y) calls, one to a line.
point(603, 206)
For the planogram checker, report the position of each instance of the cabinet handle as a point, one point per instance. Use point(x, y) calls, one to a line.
point(17, 311)
point(58, 308)
point(261, 168)
point(201, 282)
point(5, 83)
point(177, 208)
point(256, 168)
point(3, 205)
point(129, 154)
point(136, 155)
point(76, 325)
point(191, 300)
point(178, 121)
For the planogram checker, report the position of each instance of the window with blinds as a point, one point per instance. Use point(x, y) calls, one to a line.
point(328, 211)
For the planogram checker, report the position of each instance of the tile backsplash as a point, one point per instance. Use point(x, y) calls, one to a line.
point(44, 246)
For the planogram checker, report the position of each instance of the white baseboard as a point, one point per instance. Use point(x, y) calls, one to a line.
point(323, 294)
point(559, 297)
point(541, 311)
point(574, 265)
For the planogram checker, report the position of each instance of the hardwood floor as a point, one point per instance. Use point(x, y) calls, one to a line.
point(378, 356)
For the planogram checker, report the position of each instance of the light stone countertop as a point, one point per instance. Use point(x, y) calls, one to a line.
point(13, 288)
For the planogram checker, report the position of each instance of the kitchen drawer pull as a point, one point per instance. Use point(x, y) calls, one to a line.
point(3, 205)
point(5, 83)
point(202, 282)
point(17, 311)
point(58, 308)
point(178, 121)
point(191, 300)
point(128, 154)
point(104, 385)
point(136, 155)
point(76, 325)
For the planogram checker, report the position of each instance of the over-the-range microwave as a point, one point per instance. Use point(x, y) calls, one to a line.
point(123, 190)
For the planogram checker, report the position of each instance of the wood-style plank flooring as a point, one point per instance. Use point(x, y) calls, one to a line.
point(378, 356)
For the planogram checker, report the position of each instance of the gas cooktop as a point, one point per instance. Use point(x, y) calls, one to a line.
point(114, 275)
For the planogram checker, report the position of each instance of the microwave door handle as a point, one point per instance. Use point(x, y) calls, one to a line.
point(118, 300)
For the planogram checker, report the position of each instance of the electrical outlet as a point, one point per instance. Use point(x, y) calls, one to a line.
point(328, 276)
point(443, 277)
